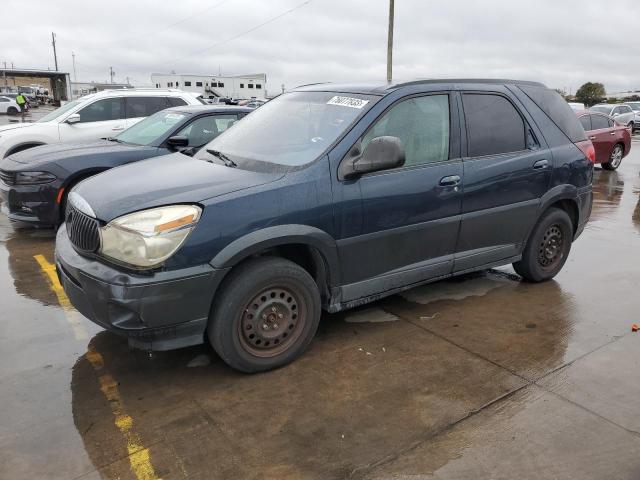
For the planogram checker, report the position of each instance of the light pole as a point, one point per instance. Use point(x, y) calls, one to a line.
point(390, 43)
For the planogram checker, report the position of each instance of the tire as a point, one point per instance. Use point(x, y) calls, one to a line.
point(265, 314)
point(547, 247)
point(615, 158)
point(12, 111)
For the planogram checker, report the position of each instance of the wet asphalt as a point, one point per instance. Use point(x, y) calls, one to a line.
point(478, 377)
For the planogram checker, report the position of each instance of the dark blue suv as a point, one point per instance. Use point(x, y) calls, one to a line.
point(327, 197)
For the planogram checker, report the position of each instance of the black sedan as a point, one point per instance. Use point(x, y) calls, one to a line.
point(34, 182)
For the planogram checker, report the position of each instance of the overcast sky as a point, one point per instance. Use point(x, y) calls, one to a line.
point(562, 43)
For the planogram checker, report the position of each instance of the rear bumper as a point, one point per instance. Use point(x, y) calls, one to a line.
point(585, 202)
point(159, 311)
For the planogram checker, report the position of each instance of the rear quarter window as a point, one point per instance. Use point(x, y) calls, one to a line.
point(560, 113)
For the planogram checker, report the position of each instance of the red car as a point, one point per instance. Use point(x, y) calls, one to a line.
point(611, 140)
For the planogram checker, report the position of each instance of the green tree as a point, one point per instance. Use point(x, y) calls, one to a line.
point(591, 93)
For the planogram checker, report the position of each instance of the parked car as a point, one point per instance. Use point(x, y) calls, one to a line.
point(326, 197)
point(623, 114)
point(612, 141)
point(255, 103)
point(8, 105)
point(91, 117)
point(578, 107)
point(635, 106)
point(34, 183)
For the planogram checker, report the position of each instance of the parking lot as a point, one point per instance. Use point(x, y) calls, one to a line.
point(482, 376)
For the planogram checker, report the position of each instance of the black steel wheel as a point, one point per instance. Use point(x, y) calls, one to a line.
point(547, 247)
point(264, 315)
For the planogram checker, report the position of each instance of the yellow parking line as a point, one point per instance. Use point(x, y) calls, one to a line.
point(71, 314)
point(139, 457)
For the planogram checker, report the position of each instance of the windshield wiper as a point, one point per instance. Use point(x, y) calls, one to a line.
point(113, 139)
point(227, 161)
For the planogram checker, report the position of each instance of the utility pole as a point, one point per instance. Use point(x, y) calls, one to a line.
point(4, 74)
point(390, 43)
point(55, 54)
point(111, 74)
point(75, 77)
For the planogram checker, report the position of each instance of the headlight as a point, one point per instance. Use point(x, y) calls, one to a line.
point(146, 239)
point(34, 178)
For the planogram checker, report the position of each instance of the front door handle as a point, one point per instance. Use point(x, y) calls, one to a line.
point(115, 129)
point(592, 138)
point(541, 164)
point(612, 133)
point(450, 181)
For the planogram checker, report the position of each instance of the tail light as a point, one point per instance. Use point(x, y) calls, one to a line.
point(586, 147)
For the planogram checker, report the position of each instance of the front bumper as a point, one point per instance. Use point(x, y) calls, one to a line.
point(159, 311)
point(33, 204)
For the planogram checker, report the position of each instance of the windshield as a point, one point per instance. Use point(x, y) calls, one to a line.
point(634, 106)
point(60, 111)
point(293, 129)
point(601, 109)
point(152, 128)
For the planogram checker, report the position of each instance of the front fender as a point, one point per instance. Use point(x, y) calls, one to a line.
point(270, 237)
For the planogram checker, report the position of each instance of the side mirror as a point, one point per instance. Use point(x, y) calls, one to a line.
point(615, 114)
point(74, 118)
point(178, 141)
point(381, 153)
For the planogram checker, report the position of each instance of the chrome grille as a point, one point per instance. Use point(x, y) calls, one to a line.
point(82, 230)
point(8, 178)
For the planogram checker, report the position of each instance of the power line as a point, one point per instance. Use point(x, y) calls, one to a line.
point(252, 29)
point(156, 31)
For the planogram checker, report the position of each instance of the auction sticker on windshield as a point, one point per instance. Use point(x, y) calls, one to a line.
point(348, 102)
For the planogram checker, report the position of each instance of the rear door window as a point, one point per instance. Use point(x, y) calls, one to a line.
point(599, 122)
point(144, 106)
point(494, 126)
point(102, 110)
point(176, 101)
point(585, 120)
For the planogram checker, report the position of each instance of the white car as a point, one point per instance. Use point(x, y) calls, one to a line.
point(8, 106)
point(621, 113)
point(102, 114)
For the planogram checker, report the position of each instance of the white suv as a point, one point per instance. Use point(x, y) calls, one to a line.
point(94, 116)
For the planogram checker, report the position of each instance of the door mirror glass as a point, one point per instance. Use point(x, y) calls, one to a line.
point(74, 118)
point(381, 153)
point(178, 141)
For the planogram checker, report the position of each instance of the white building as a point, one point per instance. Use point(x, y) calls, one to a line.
point(236, 86)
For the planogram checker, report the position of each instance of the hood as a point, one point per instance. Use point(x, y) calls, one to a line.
point(75, 151)
point(165, 180)
point(14, 126)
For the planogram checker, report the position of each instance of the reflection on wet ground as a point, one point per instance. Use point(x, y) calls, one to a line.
point(482, 376)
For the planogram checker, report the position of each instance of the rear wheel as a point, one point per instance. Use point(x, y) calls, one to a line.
point(12, 111)
point(265, 314)
point(547, 248)
point(615, 159)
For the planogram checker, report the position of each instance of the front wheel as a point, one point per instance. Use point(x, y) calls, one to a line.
point(615, 159)
point(547, 248)
point(265, 315)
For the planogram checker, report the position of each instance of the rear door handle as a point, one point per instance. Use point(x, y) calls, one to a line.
point(612, 133)
point(450, 181)
point(115, 129)
point(540, 164)
point(592, 138)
